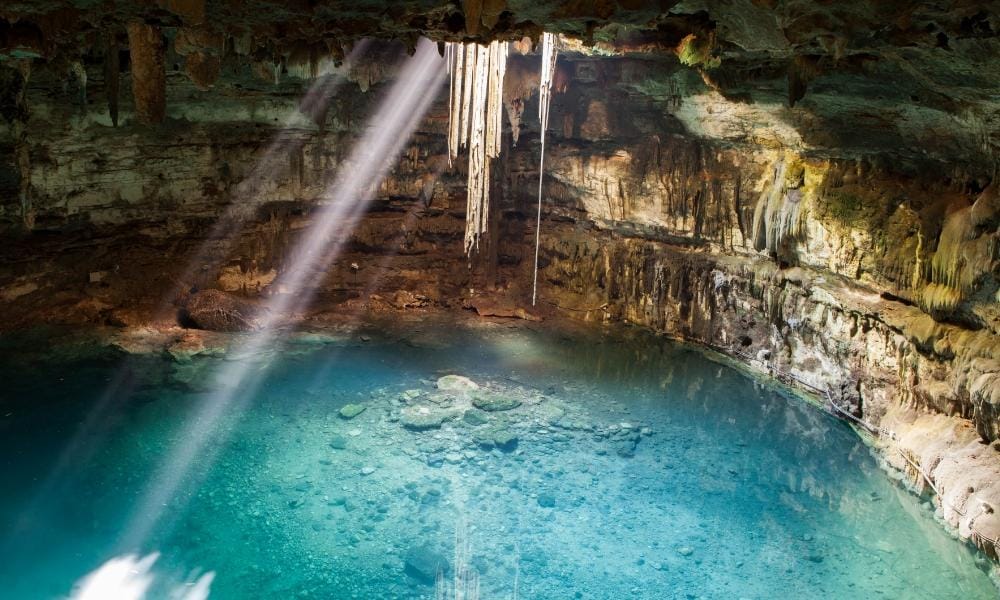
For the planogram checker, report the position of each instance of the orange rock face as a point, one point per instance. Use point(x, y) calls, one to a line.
point(149, 77)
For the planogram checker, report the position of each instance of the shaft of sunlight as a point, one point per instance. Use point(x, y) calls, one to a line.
point(270, 164)
point(378, 271)
point(343, 205)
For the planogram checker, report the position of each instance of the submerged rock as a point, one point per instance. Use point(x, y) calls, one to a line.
point(440, 399)
point(410, 395)
point(456, 383)
point(491, 402)
point(349, 411)
point(474, 418)
point(423, 562)
point(501, 438)
point(191, 344)
point(423, 416)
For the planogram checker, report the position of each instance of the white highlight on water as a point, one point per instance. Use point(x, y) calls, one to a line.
point(129, 577)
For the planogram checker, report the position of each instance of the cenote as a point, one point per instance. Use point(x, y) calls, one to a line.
point(587, 464)
point(499, 300)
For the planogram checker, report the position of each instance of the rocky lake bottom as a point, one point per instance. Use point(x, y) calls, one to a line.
point(427, 461)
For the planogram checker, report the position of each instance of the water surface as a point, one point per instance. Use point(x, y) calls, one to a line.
point(632, 468)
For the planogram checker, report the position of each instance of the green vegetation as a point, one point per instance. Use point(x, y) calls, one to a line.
point(696, 51)
point(845, 207)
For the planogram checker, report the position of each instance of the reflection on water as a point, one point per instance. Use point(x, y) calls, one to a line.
point(628, 468)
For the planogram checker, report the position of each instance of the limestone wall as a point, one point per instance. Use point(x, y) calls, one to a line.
point(856, 274)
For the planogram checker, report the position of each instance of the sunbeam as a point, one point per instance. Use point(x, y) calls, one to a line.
point(373, 282)
point(246, 193)
point(89, 434)
point(345, 202)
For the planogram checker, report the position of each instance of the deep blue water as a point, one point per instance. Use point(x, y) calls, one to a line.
point(632, 468)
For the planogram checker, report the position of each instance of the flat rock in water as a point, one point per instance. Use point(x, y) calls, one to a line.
point(349, 411)
point(410, 395)
point(501, 438)
point(474, 418)
point(422, 563)
point(441, 399)
point(423, 416)
point(456, 383)
point(494, 402)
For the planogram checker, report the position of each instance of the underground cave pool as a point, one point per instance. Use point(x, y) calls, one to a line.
point(610, 464)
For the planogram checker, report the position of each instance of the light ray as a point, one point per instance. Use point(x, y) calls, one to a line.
point(372, 285)
point(88, 436)
point(244, 195)
point(344, 204)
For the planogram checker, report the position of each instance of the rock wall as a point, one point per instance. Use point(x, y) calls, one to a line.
point(871, 277)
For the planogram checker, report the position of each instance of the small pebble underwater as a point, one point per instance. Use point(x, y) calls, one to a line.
point(581, 465)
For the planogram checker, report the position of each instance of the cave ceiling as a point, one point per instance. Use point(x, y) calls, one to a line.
point(905, 82)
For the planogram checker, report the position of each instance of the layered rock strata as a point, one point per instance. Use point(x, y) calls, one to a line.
point(756, 228)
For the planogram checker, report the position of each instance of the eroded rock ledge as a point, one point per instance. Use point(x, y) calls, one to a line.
point(890, 363)
point(865, 263)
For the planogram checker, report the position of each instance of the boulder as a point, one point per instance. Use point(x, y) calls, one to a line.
point(456, 383)
point(423, 563)
point(498, 437)
point(494, 402)
point(425, 416)
point(349, 411)
point(474, 418)
point(218, 311)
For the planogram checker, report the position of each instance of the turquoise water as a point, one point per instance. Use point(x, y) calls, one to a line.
point(630, 468)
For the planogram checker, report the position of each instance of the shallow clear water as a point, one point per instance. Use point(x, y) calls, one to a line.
point(640, 469)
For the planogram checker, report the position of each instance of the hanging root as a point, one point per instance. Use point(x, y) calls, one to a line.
point(475, 103)
point(545, 92)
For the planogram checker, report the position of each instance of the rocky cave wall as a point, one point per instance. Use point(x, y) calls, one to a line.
point(847, 235)
point(720, 242)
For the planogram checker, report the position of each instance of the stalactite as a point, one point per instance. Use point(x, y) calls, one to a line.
point(777, 213)
point(963, 256)
point(149, 76)
point(112, 79)
point(475, 109)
